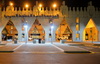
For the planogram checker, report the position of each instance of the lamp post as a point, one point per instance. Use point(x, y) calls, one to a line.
point(26, 33)
point(26, 5)
point(26, 27)
point(11, 4)
point(54, 7)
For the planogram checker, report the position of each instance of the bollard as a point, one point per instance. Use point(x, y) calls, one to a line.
point(15, 41)
point(34, 41)
point(63, 41)
point(43, 41)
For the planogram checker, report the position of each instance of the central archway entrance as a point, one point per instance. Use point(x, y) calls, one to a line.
point(9, 33)
point(63, 32)
point(36, 32)
point(91, 31)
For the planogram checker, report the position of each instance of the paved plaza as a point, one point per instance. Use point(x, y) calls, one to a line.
point(49, 53)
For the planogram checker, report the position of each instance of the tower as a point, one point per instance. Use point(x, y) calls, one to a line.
point(3, 3)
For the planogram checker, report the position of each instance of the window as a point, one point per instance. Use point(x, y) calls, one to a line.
point(77, 27)
point(77, 20)
point(77, 35)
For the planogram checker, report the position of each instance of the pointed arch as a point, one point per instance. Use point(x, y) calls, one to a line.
point(64, 31)
point(9, 32)
point(90, 32)
point(36, 31)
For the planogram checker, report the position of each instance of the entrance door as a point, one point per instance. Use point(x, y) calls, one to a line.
point(63, 32)
point(91, 32)
point(9, 32)
point(36, 32)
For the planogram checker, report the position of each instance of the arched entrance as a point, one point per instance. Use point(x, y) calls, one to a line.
point(36, 31)
point(9, 33)
point(90, 32)
point(63, 32)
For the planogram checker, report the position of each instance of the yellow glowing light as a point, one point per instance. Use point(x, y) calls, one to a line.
point(54, 5)
point(26, 5)
point(40, 5)
point(11, 4)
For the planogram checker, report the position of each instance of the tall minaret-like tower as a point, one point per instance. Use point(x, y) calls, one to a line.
point(3, 3)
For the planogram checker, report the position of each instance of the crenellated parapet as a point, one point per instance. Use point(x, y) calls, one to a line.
point(0, 12)
point(89, 11)
point(13, 11)
point(63, 10)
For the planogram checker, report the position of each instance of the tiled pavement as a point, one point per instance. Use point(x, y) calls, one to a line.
point(8, 47)
point(56, 47)
point(38, 48)
point(48, 54)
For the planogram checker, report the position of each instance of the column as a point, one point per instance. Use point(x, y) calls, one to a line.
point(19, 35)
point(47, 35)
point(53, 35)
point(26, 34)
point(0, 36)
point(74, 36)
point(99, 36)
point(81, 35)
point(82, 28)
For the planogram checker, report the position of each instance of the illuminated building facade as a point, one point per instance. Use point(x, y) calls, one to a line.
point(57, 23)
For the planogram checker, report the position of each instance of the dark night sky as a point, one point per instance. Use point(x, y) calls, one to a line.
point(48, 3)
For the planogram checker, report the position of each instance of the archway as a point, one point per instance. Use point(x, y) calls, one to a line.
point(36, 31)
point(90, 32)
point(9, 33)
point(63, 32)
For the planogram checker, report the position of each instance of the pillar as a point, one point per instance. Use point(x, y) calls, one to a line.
point(98, 35)
point(47, 35)
point(19, 35)
point(0, 36)
point(53, 36)
point(26, 34)
point(81, 34)
point(73, 35)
